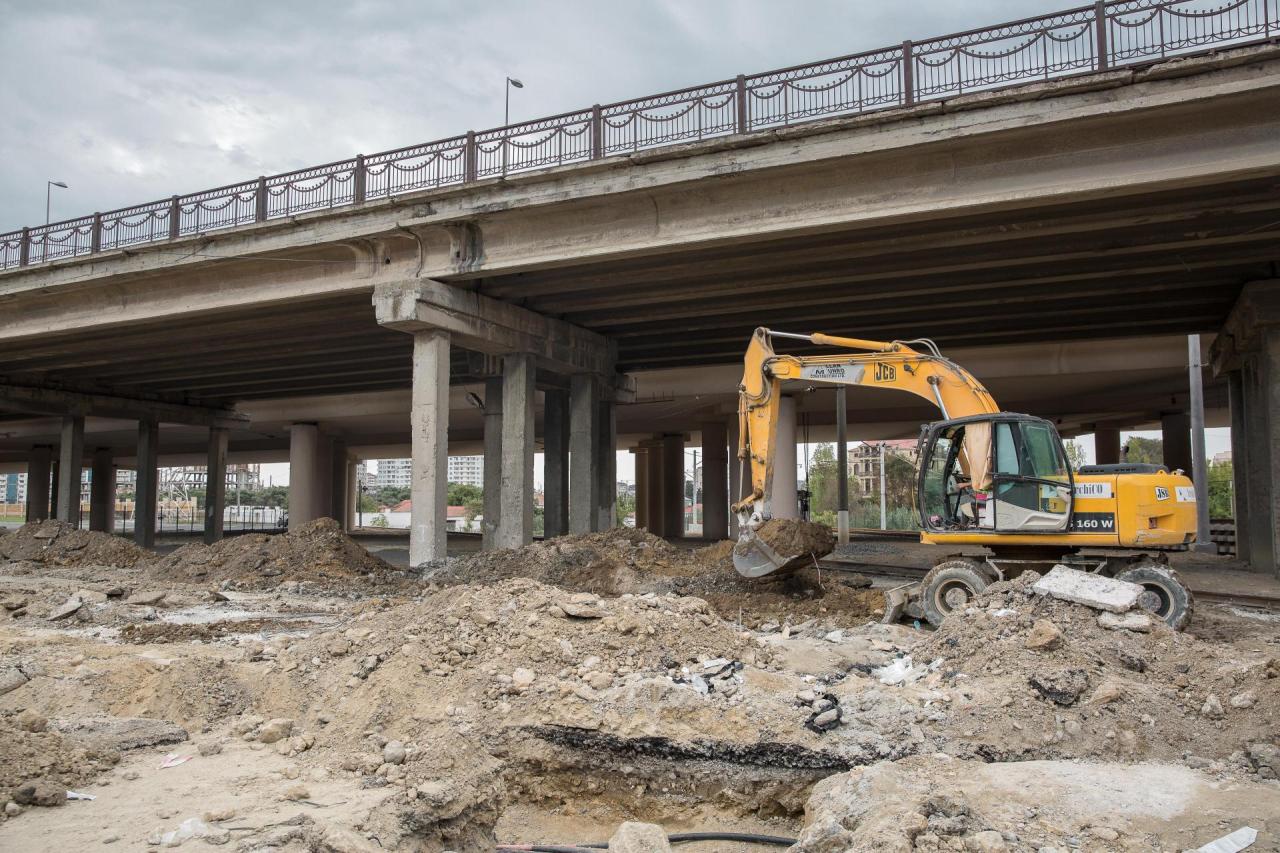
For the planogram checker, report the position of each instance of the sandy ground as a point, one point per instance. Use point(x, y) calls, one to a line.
point(549, 694)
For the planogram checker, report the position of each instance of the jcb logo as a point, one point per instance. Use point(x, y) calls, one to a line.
point(886, 373)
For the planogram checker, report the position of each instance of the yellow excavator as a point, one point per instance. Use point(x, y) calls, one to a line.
point(994, 487)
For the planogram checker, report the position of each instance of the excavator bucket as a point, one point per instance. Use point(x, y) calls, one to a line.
point(754, 558)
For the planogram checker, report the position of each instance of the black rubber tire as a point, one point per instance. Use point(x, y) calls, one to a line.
point(1169, 598)
point(951, 585)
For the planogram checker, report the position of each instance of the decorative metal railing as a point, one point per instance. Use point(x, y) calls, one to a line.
point(1087, 39)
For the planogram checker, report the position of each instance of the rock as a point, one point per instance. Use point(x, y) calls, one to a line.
point(635, 837)
point(30, 721)
point(394, 752)
point(1096, 591)
point(1134, 620)
point(599, 680)
point(11, 678)
point(834, 636)
point(12, 809)
point(1108, 692)
point(40, 794)
point(826, 718)
point(582, 610)
point(1044, 636)
point(70, 607)
point(522, 678)
point(987, 841)
point(1212, 707)
point(91, 596)
point(1247, 699)
point(1131, 661)
point(275, 730)
point(1062, 687)
point(209, 747)
point(149, 599)
point(296, 792)
point(15, 603)
point(1104, 833)
point(122, 733)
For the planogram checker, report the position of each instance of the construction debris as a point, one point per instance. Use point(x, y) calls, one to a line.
point(1092, 590)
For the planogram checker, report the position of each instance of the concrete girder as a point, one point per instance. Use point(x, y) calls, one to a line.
point(53, 401)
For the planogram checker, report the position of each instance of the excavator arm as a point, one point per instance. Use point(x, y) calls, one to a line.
point(895, 365)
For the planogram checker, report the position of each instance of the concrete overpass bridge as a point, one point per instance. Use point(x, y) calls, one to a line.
point(1056, 202)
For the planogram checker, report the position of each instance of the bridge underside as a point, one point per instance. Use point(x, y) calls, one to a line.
point(1059, 248)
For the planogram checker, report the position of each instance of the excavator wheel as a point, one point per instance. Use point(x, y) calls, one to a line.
point(951, 585)
point(1165, 596)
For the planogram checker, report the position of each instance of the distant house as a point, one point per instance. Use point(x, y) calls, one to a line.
point(455, 517)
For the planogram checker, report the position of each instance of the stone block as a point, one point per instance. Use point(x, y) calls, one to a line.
point(1096, 591)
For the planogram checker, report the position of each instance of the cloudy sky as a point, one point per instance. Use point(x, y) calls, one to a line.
point(132, 101)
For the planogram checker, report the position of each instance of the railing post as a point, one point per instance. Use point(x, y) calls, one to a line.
point(908, 75)
point(95, 236)
point(260, 196)
point(1100, 29)
point(175, 217)
point(24, 248)
point(469, 166)
point(597, 132)
point(357, 181)
point(742, 103)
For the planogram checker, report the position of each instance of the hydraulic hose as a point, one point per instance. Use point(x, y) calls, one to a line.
point(676, 838)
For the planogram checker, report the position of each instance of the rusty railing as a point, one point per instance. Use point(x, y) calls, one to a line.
point(1082, 40)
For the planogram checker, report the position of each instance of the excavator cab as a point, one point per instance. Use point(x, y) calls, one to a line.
point(994, 473)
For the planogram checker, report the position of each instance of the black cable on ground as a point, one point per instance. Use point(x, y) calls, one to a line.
point(676, 838)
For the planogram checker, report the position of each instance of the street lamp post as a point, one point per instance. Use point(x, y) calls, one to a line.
point(48, 196)
point(506, 115)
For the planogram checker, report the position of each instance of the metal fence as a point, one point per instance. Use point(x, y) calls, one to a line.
point(1081, 40)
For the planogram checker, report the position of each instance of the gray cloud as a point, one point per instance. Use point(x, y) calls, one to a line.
point(133, 101)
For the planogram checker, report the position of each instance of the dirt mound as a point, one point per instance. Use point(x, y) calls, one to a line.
point(316, 552)
point(624, 560)
point(1047, 679)
point(31, 753)
point(56, 543)
point(791, 537)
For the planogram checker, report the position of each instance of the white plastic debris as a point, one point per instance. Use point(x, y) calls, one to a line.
point(1233, 843)
point(77, 795)
point(194, 827)
point(1004, 613)
point(903, 671)
point(716, 663)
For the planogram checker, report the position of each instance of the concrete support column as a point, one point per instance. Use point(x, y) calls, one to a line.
point(735, 475)
point(215, 493)
point(352, 493)
point(339, 491)
point(673, 485)
point(304, 484)
point(655, 520)
point(515, 525)
point(641, 455)
point(53, 491)
point(606, 465)
point(842, 465)
point(70, 467)
point(39, 464)
point(1239, 462)
point(555, 469)
point(784, 500)
point(715, 481)
point(584, 450)
point(1106, 445)
point(1261, 391)
point(147, 484)
point(429, 442)
point(492, 500)
point(102, 491)
point(1175, 434)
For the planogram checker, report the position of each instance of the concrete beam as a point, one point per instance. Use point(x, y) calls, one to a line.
point(70, 468)
point(215, 493)
point(147, 485)
point(429, 436)
point(20, 398)
point(487, 325)
point(555, 471)
point(515, 525)
point(39, 465)
point(102, 491)
point(492, 498)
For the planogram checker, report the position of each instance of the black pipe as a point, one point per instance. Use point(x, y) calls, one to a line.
point(676, 838)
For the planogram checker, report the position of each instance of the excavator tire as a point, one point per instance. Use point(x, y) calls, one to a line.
point(1166, 596)
point(949, 586)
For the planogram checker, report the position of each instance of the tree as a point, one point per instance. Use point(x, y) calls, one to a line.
point(1075, 454)
point(1221, 485)
point(390, 495)
point(461, 494)
point(824, 481)
point(1144, 450)
point(626, 507)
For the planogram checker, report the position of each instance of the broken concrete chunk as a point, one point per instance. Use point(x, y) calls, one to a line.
point(122, 733)
point(635, 837)
point(1212, 707)
point(1132, 621)
point(11, 678)
point(70, 607)
point(1063, 687)
point(150, 598)
point(1045, 636)
point(91, 596)
point(1096, 591)
point(581, 610)
point(275, 730)
point(40, 793)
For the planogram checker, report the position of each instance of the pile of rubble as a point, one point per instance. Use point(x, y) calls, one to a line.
point(56, 543)
point(318, 552)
